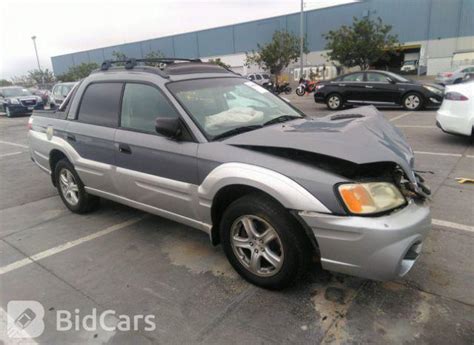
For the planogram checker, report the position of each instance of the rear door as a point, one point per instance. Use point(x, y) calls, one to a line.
point(92, 134)
point(351, 87)
point(379, 90)
point(152, 169)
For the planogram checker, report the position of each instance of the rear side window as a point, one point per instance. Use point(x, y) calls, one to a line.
point(141, 105)
point(100, 104)
point(353, 77)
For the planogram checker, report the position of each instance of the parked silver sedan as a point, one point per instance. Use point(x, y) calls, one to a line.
point(455, 76)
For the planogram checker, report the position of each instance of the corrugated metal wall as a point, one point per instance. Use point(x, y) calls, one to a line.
point(412, 20)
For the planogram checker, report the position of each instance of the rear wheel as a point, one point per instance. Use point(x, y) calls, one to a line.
point(412, 101)
point(263, 242)
point(287, 90)
point(71, 189)
point(334, 101)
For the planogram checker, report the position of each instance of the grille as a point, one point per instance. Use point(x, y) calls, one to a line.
point(28, 102)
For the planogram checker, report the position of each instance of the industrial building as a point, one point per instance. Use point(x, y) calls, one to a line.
point(439, 32)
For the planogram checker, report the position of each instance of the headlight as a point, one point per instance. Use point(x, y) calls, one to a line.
point(372, 197)
point(14, 101)
point(317, 87)
point(39, 99)
point(433, 89)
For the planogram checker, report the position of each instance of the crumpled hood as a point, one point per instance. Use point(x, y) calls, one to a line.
point(360, 135)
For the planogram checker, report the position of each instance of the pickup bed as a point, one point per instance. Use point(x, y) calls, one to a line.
point(197, 144)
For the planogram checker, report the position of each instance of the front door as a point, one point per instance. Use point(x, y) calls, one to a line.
point(151, 169)
point(380, 90)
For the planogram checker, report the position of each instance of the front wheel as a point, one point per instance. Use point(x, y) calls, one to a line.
point(412, 101)
point(287, 90)
point(263, 243)
point(71, 189)
point(300, 91)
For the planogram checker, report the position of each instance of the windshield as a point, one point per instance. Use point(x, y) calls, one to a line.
point(219, 105)
point(397, 77)
point(410, 62)
point(15, 92)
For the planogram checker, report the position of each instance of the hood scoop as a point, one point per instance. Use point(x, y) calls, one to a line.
point(345, 116)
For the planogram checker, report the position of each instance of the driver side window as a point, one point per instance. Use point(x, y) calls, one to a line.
point(141, 105)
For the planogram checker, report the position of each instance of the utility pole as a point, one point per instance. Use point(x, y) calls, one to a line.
point(37, 59)
point(301, 38)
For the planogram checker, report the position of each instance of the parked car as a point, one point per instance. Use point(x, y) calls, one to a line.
point(456, 115)
point(259, 78)
point(59, 93)
point(17, 100)
point(409, 67)
point(455, 76)
point(195, 143)
point(379, 88)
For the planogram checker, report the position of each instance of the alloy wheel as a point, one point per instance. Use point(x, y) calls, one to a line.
point(256, 245)
point(412, 102)
point(334, 102)
point(69, 187)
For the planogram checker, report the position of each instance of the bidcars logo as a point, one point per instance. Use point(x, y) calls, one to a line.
point(25, 319)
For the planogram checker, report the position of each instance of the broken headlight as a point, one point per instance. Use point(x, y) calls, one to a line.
point(371, 197)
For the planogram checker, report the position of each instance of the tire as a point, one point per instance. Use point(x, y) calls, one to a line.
point(7, 110)
point(412, 101)
point(334, 101)
point(284, 240)
point(287, 90)
point(300, 91)
point(68, 184)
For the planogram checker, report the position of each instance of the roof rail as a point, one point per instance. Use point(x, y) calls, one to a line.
point(131, 63)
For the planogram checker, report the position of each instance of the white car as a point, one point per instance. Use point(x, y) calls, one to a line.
point(456, 114)
point(259, 78)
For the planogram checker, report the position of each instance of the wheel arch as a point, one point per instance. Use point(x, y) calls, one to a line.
point(231, 181)
point(54, 157)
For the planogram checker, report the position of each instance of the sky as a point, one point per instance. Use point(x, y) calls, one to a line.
point(68, 26)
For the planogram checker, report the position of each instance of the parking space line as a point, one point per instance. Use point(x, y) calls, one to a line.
point(438, 154)
point(401, 116)
point(13, 144)
point(11, 154)
point(456, 226)
point(415, 126)
point(62, 247)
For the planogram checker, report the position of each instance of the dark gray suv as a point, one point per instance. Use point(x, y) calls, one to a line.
point(198, 144)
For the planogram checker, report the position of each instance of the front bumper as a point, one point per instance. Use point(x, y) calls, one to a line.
point(319, 97)
point(379, 248)
point(433, 100)
point(21, 109)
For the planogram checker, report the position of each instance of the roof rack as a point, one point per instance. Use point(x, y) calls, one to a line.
point(131, 63)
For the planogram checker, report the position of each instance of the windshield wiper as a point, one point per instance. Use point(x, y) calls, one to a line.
point(235, 131)
point(282, 118)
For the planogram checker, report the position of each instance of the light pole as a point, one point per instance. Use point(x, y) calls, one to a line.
point(37, 59)
point(301, 38)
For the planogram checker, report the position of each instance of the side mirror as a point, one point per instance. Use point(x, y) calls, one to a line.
point(168, 126)
point(391, 81)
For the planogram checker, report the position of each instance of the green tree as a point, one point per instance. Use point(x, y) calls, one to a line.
point(119, 56)
point(278, 54)
point(4, 82)
point(41, 76)
point(77, 72)
point(219, 62)
point(154, 55)
point(361, 44)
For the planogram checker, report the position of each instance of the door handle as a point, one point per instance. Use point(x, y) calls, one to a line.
point(70, 137)
point(124, 148)
point(369, 87)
